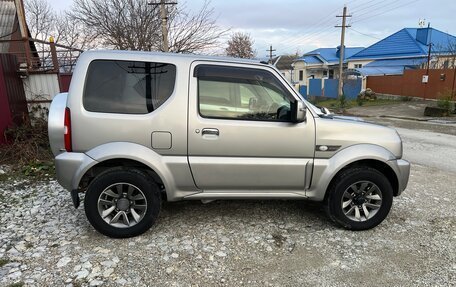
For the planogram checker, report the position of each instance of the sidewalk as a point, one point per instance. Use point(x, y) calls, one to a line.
point(412, 110)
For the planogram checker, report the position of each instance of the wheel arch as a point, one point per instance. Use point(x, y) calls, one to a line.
point(102, 166)
point(326, 170)
point(126, 154)
point(380, 166)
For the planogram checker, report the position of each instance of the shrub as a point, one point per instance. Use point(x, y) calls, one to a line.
point(28, 143)
point(406, 98)
point(444, 100)
point(342, 102)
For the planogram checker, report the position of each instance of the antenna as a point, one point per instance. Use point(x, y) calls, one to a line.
point(422, 23)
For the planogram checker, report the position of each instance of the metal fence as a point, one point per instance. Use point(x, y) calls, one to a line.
point(38, 56)
point(411, 84)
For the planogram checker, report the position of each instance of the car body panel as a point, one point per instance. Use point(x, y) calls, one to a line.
point(248, 159)
point(247, 154)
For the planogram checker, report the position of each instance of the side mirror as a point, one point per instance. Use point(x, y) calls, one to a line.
point(326, 111)
point(299, 111)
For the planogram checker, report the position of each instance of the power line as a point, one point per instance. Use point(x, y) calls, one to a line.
point(351, 28)
point(370, 7)
point(314, 33)
point(362, 4)
point(322, 35)
point(384, 12)
point(317, 32)
point(316, 28)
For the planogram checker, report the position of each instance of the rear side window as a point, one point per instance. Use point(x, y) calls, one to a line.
point(127, 87)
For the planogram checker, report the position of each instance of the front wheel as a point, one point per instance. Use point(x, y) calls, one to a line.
point(122, 202)
point(360, 198)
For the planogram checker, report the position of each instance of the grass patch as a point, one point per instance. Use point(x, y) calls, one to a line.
point(3, 177)
point(336, 103)
point(3, 262)
point(18, 284)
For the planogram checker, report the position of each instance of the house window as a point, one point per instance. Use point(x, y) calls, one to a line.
point(325, 73)
point(301, 75)
point(358, 66)
point(331, 74)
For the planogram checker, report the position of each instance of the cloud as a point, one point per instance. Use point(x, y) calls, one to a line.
point(291, 25)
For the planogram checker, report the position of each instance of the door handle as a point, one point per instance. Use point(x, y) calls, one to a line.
point(208, 131)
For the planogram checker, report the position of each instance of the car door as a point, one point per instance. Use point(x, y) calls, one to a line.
point(240, 133)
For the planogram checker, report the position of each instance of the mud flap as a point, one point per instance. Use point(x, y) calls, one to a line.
point(75, 198)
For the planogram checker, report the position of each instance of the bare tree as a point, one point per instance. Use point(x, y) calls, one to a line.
point(443, 56)
point(446, 58)
point(71, 32)
point(135, 25)
point(240, 46)
point(193, 33)
point(43, 22)
point(40, 18)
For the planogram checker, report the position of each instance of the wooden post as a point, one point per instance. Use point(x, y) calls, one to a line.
point(24, 33)
point(55, 62)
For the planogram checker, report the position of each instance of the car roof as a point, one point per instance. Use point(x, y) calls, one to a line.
point(187, 57)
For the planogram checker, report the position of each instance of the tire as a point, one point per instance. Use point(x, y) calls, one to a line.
point(361, 188)
point(129, 200)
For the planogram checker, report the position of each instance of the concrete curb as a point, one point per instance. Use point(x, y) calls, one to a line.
point(408, 118)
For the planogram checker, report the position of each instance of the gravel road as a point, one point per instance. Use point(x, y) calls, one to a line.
point(46, 242)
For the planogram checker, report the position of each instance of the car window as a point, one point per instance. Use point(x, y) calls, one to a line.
point(128, 87)
point(241, 93)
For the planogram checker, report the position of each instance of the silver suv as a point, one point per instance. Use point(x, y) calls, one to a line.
point(137, 128)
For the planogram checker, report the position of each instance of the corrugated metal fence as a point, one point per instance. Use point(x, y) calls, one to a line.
point(410, 83)
point(13, 105)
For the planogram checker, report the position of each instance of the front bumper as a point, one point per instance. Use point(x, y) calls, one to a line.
point(71, 167)
point(402, 169)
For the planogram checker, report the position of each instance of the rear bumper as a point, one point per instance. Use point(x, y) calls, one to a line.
point(70, 167)
point(402, 169)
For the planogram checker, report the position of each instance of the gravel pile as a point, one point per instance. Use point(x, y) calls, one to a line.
point(46, 242)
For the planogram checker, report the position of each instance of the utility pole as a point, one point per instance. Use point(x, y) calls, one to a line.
point(270, 50)
point(429, 50)
point(164, 22)
point(453, 95)
point(429, 38)
point(342, 49)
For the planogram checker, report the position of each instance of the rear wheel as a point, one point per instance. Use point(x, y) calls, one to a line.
point(360, 198)
point(122, 203)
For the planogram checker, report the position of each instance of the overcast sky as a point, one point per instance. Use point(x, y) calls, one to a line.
point(298, 25)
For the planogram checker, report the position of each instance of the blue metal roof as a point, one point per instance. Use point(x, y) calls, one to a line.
point(377, 71)
point(408, 62)
point(408, 42)
point(390, 67)
point(311, 60)
point(329, 55)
